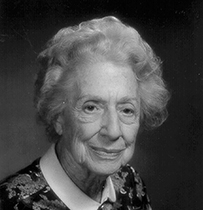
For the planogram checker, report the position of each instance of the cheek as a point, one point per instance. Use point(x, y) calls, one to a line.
point(130, 133)
point(89, 130)
point(83, 133)
point(128, 154)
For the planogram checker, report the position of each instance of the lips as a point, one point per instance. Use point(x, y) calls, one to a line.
point(109, 154)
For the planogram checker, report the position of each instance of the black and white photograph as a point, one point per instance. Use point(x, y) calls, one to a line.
point(101, 105)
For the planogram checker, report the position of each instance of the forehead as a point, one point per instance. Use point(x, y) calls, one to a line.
point(105, 79)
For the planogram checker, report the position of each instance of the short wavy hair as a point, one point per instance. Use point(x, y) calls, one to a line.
point(108, 39)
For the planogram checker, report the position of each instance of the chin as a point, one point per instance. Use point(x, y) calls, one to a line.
point(105, 169)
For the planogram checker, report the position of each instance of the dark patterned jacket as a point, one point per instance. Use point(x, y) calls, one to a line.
point(28, 189)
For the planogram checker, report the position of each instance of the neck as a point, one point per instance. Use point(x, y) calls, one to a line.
point(90, 183)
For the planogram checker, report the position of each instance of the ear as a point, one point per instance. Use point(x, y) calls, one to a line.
point(59, 125)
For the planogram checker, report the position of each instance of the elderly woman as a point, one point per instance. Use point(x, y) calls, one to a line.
point(98, 83)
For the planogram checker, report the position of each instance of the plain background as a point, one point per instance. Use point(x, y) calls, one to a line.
point(169, 158)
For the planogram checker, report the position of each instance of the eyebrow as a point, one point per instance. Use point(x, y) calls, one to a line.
point(91, 97)
point(128, 99)
point(95, 98)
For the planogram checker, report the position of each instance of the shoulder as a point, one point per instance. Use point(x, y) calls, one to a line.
point(128, 177)
point(131, 188)
point(26, 189)
point(21, 185)
point(26, 177)
point(133, 177)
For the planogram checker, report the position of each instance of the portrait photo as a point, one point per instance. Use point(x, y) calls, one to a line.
point(101, 105)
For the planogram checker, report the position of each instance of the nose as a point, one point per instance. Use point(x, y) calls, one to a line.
point(111, 125)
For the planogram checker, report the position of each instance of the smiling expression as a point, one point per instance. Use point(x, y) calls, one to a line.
point(101, 124)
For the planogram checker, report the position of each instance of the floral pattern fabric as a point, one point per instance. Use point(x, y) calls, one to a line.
point(28, 190)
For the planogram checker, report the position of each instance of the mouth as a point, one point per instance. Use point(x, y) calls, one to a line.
point(108, 154)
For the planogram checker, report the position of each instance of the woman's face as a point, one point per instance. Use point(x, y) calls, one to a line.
point(101, 124)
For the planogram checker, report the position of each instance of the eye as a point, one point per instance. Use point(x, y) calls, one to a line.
point(90, 108)
point(128, 112)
